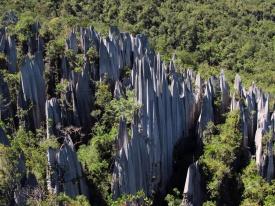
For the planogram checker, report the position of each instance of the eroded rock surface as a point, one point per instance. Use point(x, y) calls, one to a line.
point(64, 172)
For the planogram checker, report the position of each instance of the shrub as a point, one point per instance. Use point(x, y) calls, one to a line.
point(92, 54)
point(220, 152)
point(98, 156)
point(9, 174)
point(256, 190)
point(55, 48)
point(35, 152)
point(23, 28)
point(139, 199)
point(13, 81)
point(61, 87)
point(174, 199)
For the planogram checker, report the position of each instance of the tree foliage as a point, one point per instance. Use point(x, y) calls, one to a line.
point(256, 190)
point(237, 36)
point(98, 156)
point(34, 148)
point(174, 199)
point(139, 199)
point(9, 174)
point(221, 149)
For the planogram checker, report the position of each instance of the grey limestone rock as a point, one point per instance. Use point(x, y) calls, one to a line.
point(11, 54)
point(198, 95)
point(2, 39)
point(33, 90)
point(238, 85)
point(104, 60)
point(118, 91)
point(8, 47)
point(207, 112)
point(3, 138)
point(259, 148)
point(192, 189)
point(168, 112)
point(225, 96)
point(270, 161)
point(83, 96)
point(64, 171)
point(53, 117)
point(71, 42)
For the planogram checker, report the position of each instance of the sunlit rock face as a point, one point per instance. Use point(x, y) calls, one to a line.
point(168, 112)
point(171, 107)
point(32, 91)
point(192, 194)
point(53, 116)
point(64, 172)
point(257, 125)
point(207, 112)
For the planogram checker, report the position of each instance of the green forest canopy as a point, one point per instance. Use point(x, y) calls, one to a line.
point(237, 36)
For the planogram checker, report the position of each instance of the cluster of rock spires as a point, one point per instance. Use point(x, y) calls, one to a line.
point(173, 106)
point(170, 109)
point(8, 47)
point(63, 164)
point(257, 125)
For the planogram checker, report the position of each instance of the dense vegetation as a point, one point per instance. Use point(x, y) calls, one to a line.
point(222, 148)
point(237, 36)
point(256, 190)
point(98, 156)
point(225, 166)
point(31, 148)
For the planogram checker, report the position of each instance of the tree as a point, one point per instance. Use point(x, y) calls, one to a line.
point(97, 157)
point(23, 28)
point(9, 174)
point(39, 196)
point(34, 149)
point(137, 199)
point(221, 149)
point(256, 190)
point(174, 198)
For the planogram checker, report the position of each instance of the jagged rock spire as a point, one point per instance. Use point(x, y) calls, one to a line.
point(64, 172)
point(192, 194)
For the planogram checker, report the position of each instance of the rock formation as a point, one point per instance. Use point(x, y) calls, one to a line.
point(173, 106)
point(64, 172)
point(32, 91)
point(53, 116)
point(192, 194)
point(170, 108)
point(8, 48)
point(257, 125)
